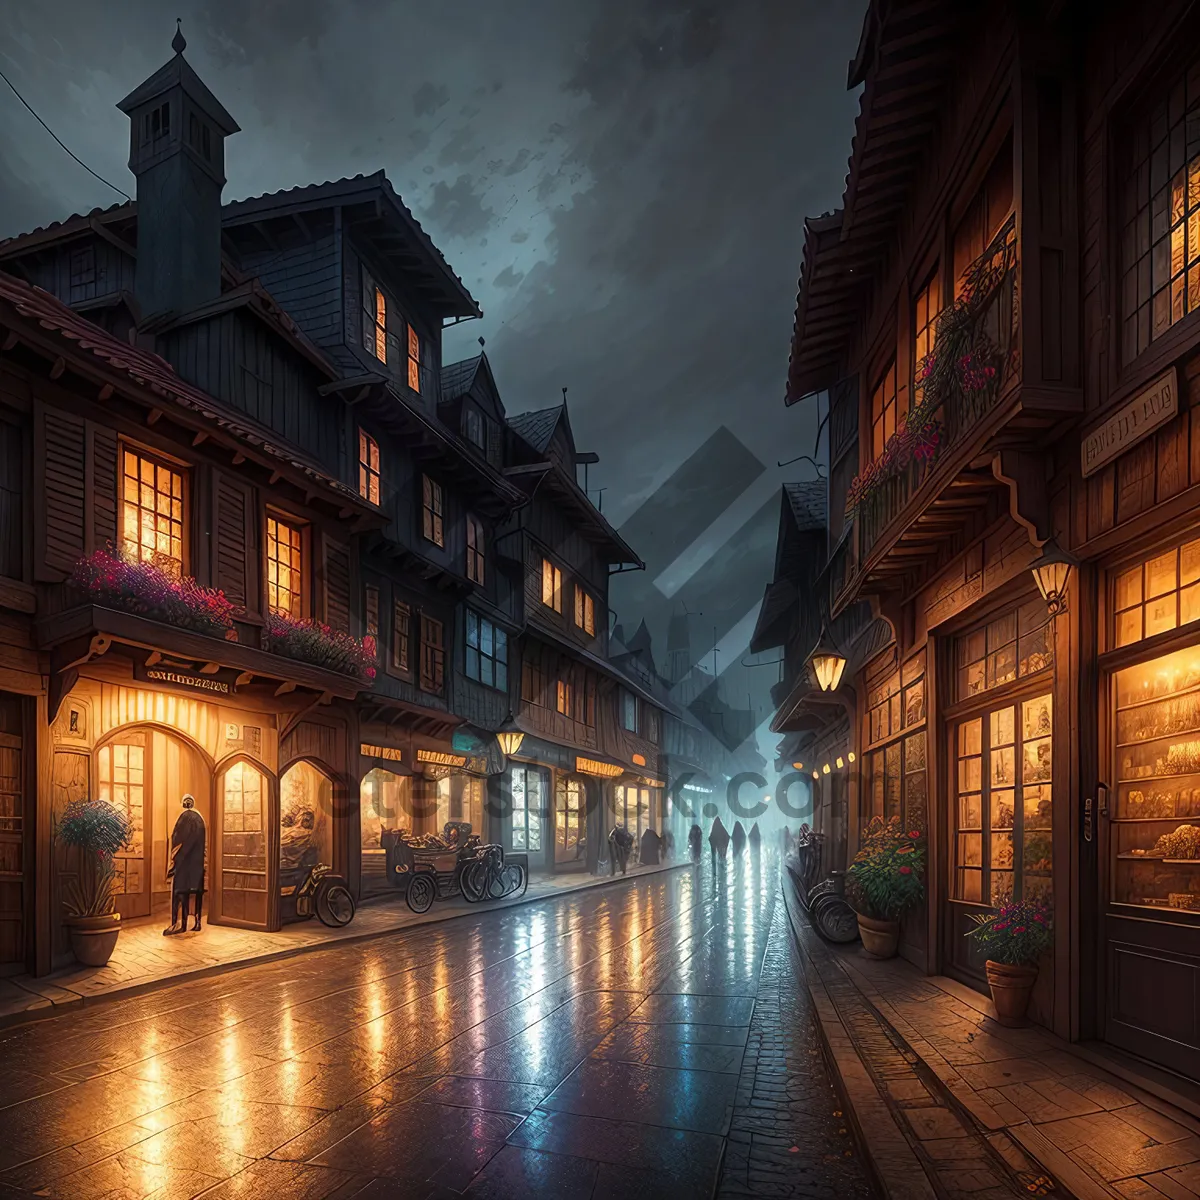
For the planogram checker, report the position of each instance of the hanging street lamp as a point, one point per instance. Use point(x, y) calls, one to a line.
point(510, 736)
point(1051, 572)
point(827, 662)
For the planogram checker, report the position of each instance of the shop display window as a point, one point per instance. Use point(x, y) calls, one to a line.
point(1003, 803)
point(1155, 816)
point(305, 820)
point(122, 779)
point(570, 820)
point(1157, 595)
point(385, 802)
point(894, 774)
point(525, 785)
point(243, 830)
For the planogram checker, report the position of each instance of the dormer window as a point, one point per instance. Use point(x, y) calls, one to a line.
point(473, 426)
point(156, 124)
point(374, 306)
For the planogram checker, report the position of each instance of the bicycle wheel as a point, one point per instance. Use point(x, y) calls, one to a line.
point(421, 891)
point(497, 883)
point(473, 881)
point(518, 878)
point(335, 906)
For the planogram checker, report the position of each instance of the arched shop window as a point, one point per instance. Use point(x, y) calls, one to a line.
point(570, 820)
point(305, 819)
point(243, 845)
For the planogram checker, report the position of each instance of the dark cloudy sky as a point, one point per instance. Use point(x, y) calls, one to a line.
point(621, 183)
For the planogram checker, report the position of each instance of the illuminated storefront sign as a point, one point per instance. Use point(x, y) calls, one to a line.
point(639, 760)
point(214, 684)
point(589, 766)
point(654, 783)
point(440, 759)
point(388, 752)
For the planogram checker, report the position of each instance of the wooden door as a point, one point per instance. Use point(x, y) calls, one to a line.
point(12, 864)
point(244, 824)
point(122, 772)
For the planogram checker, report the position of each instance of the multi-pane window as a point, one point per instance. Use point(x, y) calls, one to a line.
point(925, 312)
point(374, 318)
point(551, 585)
point(1160, 202)
point(570, 820)
point(152, 511)
point(896, 699)
point(401, 635)
point(564, 701)
point(414, 360)
point(156, 124)
point(1003, 803)
point(894, 775)
point(1017, 644)
point(526, 786)
point(431, 511)
point(371, 610)
point(575, 697)
point(487, 652)
point(1160, 594)
point(369, 477)
point(474, 427)
point(433, 655)
point(122, 772)
point(884, 411)
point(285, 567)
point(474, 549)
point(585, 611)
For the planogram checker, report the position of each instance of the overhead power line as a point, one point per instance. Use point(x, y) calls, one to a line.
point(59, 140)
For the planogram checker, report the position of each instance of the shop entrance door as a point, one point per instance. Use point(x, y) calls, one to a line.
point(1000, 819)
point(243, 871)
point(570, 824)
point(12, 854)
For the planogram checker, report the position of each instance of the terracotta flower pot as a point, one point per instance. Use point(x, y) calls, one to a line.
point(1011, 988)
point(879, 938)
point(93, 939)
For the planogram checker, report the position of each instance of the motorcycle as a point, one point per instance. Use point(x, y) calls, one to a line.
point(316, 890)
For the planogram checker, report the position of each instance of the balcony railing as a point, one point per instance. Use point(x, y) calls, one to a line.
point(974, 358)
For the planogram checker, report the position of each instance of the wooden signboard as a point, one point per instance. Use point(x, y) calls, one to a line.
point(217, 683)
point(1136, 419)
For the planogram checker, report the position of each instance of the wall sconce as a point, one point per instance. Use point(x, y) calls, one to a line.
point(825, 768)
point(510, 736)
point(840, 762)
point(1051, 572)
point(816, 775)
point(827, 662)
point(797, 766)
point(850, 756)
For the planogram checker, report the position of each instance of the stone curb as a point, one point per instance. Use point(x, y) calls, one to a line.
point(54, 1009)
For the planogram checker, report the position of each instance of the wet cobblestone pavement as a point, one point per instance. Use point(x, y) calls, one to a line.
point(652, 1039)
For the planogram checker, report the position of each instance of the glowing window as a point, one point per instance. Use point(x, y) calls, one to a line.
point(885, 411)
point(585, 611)
point(925, 312)
point(551, 586)
point(369, 477)
point(431, 511)
point(285, 568)
point(152, 511)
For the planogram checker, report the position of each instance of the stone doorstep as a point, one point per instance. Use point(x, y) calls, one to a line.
point(48, 998)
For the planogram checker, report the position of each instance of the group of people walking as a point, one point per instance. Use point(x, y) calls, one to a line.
point(720, 839)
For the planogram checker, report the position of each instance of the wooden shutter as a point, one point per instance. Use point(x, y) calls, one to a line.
point(337, 586)
point(104, 484)
point(62, 457)
point(232, 549)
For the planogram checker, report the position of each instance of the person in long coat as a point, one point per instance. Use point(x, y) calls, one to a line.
point(651, 845)
point(739, 837)
point(755, 838)
point(620, 842)
point(718, 840)
point(186, 867)
point(695, 837)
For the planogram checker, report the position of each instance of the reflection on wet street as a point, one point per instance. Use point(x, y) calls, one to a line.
point(645, 1039)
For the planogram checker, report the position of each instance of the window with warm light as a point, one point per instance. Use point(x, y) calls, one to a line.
point(1159, 187)
point(551, 586)
point(985, 216)
point(895, 782)
point(432, 511)
point(884, 411)
point(152, 510)
point(570, 820)
point(585, 611)
point(369, 476)
point(925, 312)
point(564, 698)
point(433, 655)
point(401, 635)
point(1159, 594)
point(414, 360)
point(374, 317)
point(285, 567)
point(474, 549)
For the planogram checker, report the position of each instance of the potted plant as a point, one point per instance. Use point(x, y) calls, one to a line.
point(97, 830)
point(884, 882)
point(1014, 937)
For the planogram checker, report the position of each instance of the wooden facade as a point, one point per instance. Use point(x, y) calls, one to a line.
point(1054, 168)
point(258, 389)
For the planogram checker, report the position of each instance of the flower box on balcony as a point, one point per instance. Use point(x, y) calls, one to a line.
point(320, 646)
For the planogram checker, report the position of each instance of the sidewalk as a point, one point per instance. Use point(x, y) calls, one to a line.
point(145, 960)
point(949, 1103)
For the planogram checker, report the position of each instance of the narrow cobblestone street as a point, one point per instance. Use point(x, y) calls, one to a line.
point(652, 1038)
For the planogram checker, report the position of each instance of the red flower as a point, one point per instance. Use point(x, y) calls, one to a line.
point(914, 834)
point(1019, 929)
point(1000, 926)
point(906, 870)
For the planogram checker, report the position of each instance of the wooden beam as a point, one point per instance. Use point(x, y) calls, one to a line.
point(153, 658)
point(243, 679)
point(210, 668)
point(238, 459)
point(11, 338)
point(105, 393)
point(285, 687)
point(276, 476)
point(154, 416)
point(200, 438)
point(60, 365)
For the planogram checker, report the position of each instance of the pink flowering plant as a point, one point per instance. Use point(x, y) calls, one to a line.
point(886, 878)
point(1017, 933)
point(117, 579)
point(320, 646)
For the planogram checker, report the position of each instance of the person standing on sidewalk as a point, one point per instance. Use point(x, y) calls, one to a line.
point(718, 841)
point(186, 866)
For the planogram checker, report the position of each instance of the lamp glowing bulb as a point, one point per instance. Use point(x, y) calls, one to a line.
point(825, 768)
point(816, 775)
point(840, 761)
point(850, 756)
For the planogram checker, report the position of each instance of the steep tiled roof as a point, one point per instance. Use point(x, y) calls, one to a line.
point(536, 428)
point(148, 370)
point(808, 503)
point(457, 377)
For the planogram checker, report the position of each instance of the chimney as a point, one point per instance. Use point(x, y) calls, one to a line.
point(177, 132)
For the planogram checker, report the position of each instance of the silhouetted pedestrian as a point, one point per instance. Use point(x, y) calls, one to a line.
point(739, 838)
point(755, 839)
point(620, 841)
point(651, 847)
point(718, 841)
